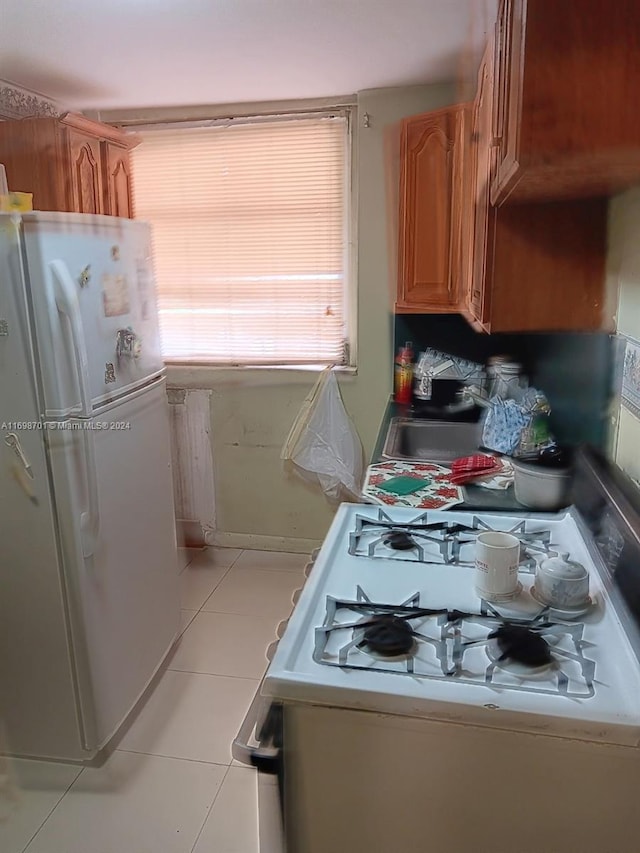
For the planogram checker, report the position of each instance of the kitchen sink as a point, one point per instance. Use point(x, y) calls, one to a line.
point(432, 441)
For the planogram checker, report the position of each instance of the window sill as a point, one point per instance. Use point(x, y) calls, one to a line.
point(206, 375)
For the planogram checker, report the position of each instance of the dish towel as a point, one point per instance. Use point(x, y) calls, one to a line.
point(491, 472)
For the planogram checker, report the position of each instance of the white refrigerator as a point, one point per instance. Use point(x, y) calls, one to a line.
point(89, 604)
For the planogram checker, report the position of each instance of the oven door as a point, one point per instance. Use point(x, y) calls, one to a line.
point(259, 744)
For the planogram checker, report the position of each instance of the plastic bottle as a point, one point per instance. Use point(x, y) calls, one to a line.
point(403, 374)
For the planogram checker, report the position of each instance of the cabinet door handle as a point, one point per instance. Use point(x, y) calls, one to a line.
point(12, 441)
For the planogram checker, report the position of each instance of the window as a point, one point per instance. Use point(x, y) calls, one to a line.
point(250, 235)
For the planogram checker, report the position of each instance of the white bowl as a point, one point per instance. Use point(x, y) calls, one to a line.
point(540, 488)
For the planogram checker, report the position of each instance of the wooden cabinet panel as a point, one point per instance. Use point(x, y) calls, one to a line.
point(116, 180)
point(480, 294)
point(514, 268)
point(85, 177)
point(462, 210)
point(69, 163)
point(546, 266)
point(535, 267)
point(567, 74)
point(35, 156)
point(428, 277)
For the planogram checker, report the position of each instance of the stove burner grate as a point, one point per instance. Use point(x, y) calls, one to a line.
point(433, 643)
point(423, 540)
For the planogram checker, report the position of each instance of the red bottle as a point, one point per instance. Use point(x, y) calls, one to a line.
point(403, 374)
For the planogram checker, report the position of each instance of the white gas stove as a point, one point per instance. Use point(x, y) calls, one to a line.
point(402, 712)
point(389, 621)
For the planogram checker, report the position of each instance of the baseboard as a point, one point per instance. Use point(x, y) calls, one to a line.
point(258, 542)
point(191, 534)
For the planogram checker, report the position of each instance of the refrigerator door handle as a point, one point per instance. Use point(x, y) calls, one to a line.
point(67, 304)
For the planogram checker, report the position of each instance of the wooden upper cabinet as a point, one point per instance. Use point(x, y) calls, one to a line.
point(116, 179)
point(567, 78)
point(482, 145)
point(69, 163)
point(429, 211)
point(536, 266)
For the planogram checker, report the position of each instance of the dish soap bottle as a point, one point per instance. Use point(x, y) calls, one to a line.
point(403, 374)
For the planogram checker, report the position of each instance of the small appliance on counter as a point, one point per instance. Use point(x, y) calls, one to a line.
point(439, 387)
point(539, 486)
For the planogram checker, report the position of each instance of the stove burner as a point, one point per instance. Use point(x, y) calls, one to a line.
point(399, 540)
point(426, 538)
point(522, 645)
point(387, 636)
point(534, 655)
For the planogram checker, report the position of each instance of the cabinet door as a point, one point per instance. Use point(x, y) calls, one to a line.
point(482, 136)
point(426, 185)
point(462, 218)
point(504, 107)
point(117, 180)
point(86, 173)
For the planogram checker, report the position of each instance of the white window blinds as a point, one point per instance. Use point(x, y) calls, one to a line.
point(250, 235)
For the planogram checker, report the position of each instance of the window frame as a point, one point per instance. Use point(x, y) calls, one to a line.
point(350, 288)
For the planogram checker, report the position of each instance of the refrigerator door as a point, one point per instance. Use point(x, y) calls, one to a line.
point(124, 604)
point(93, 300)
point(39, 715)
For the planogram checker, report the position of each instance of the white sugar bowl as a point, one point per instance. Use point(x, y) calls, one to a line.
point(561, 582)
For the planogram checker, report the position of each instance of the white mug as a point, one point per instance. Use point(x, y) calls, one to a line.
point(497, 559)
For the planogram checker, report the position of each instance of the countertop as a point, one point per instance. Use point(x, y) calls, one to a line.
point(475, 497)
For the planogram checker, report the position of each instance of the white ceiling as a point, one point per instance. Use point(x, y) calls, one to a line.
point(136, 53)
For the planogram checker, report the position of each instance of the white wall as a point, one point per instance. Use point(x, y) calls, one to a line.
point(258, 503)
point(623, 279)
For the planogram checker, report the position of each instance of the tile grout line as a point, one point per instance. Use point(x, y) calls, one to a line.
point(77, 776)
point(219, 674)
point(174, 757)
point(249, 615)
point(170, 757)
point(226, 572)
point(63, 795)
point(210, 809)
point(212, 591)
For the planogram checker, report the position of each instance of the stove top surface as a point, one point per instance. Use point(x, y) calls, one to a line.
point(422, 538)
point(535, 653)
point(389, 621)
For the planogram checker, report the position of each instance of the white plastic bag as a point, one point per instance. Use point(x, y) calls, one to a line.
point(323, 443)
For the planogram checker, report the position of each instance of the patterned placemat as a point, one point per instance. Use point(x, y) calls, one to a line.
point(438, 491)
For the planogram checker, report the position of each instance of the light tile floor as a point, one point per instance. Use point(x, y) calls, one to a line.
point(170, 785)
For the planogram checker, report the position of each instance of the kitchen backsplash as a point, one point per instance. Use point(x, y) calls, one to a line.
point(575, 370)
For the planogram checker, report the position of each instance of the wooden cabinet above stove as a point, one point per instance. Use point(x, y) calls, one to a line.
point(565, 118)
